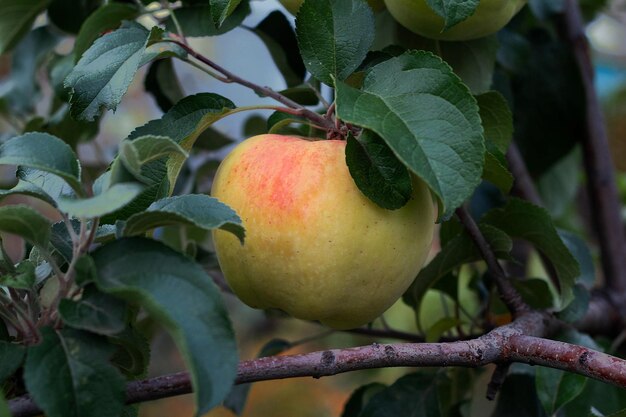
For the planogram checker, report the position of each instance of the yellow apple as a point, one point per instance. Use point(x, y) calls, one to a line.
point(294, 5)
point(489, 17)
point(315, 246)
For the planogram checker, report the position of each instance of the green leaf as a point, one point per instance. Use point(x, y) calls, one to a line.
point(4, 406)
point(518, 398)
point(23, 278)
point(25, 222)
point(579, 249)
point(162, 82)
point(577, 307)
point(458, 251)
point(176, 291)
point(334, 37)
point(39, 184)
point(197, 20)
point(434, 332)
point(95, 312)
point(107, 17)
point(497, 119)
point(377, 171)
point(69, 375)
point(360, 397)
point(112, 199)
point(535, 292)
point(201, 211)
point(279, 38)
point(16, 19)
point(183, 124)
point(137, 152)
point(473, 61)
point(427, 117)
point(11, 358)
point(453, 11)
point(495, 170)
point(45, 153)
point(521, 219)
point(221, 9)
point(104, 72)
point(69, 15)
point(132, 356)
point(412, 395)
point(556, 388)
point(559, 184)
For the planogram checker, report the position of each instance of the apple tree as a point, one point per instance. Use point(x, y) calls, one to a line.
point(477, 119)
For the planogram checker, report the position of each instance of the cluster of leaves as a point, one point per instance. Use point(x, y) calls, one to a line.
point(73, 309)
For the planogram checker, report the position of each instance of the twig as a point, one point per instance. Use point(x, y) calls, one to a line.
point(229, 77)
point(497, 379)
point(601, 184)
point(509, 295)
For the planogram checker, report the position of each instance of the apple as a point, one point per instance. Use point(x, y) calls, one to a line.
point(489, 17)
point(315, 246)
point(294, 5)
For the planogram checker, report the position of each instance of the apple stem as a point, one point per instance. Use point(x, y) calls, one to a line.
point(226, 76)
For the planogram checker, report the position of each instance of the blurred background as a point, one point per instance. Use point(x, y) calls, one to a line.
point(258, 330)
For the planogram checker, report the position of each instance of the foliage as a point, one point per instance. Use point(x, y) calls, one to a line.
point(111, 255)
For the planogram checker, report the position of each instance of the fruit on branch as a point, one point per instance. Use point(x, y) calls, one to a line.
point(489, 17)
point(315, 246)
point(294, 5)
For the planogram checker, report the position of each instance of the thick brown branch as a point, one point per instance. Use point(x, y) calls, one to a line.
point(601, 184)
point(507, 291)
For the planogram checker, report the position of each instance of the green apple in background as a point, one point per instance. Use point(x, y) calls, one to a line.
point(315, 246)
point(489, 17)
point(294, 5)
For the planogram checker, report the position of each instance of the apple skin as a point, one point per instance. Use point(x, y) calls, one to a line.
point(489, 17)
point(294, 5)
point(315, 246)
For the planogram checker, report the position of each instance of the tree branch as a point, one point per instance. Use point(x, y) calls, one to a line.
point(598, 163)
point(515, 342)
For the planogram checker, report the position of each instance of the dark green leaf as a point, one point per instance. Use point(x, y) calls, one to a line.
point(197, 20)
point(302, 95)
point(104, 72)
point(497, 119)
point(107, 17)
point(21, 90)
point(42, 185)
point(495, 170)
point(558, 186)
point(523, 220)
point(16, 19)
point(579, 249)
point(162, 82)
point(577, 307)
point(25, 222)
point(535, 292)
point(221, 9)
point(453, 11)
point(555, 388)
point(69, 375)
point(412, 395)
point(441, 326)
point(60, 238)
point(473, 61)
point(201, 211)
point(45, 153)
point(428, 118)
point(459, 250)
point(360, 398)
point(23, 278)
point(95, 312)
point(377, 171)
point(4, 406)
point(176, 291)
point(518, 398)
point(277, 34)
point(110, 200)
point(134, 154)
point(133, 352)
point(11, 358)
point(334, 37)
point(69, 15)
